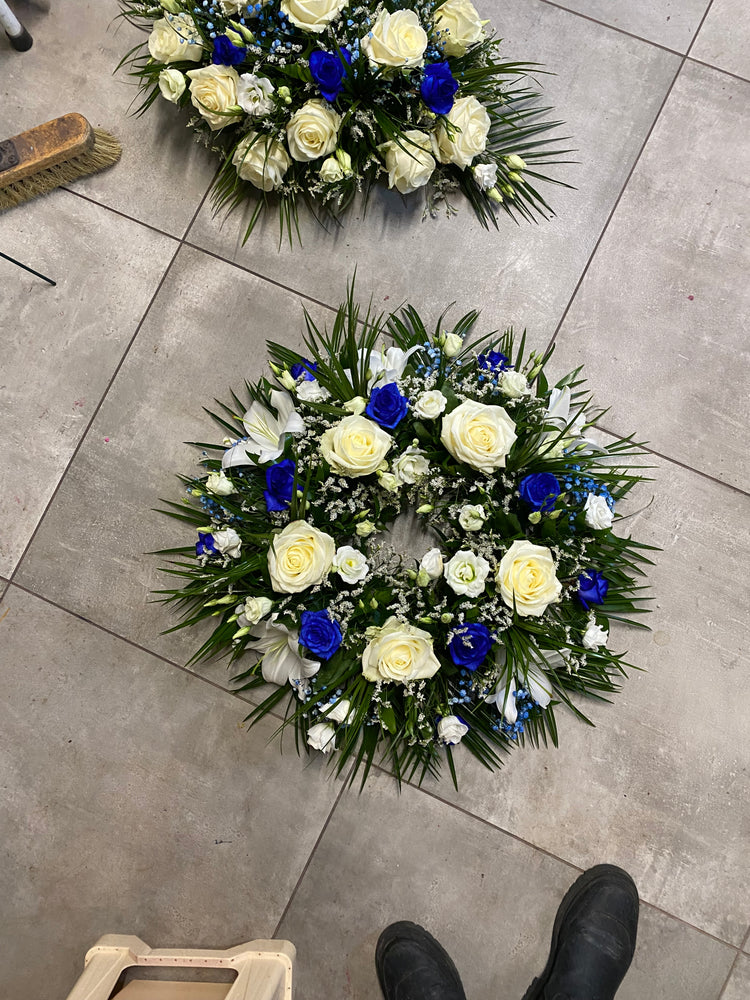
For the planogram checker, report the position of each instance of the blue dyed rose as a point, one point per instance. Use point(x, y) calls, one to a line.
point(225, 53)
point(328, 70)
point(279, 485)
point(320, 633)
point(592, 587)
point(438, 87)
point(539, 490)
point(205, 545)
point(469, 645)
point(306, 368)
point(387, 406)
point(494, 360)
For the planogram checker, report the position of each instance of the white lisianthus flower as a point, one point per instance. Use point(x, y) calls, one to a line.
point(313, 15)
point(266, 432)
point(220, 485)
point(595, 636)
point(388, 482)
point(312, 131)
point(339, 711)
point(299, 557)
point(485, 174)
point(399, 653)
point(598, 514)
point(251, 612)
point(396, 40)
point(355, 446)
point(451, 344)
point(478, 434)
point(356, 405)
point(350, 564)
point(451, 730)
point(330, 171)
point(254, 94)
point(468, 138)
point(213, 92)
point(261, 160)
point(526, 578)
point(172, 85)
point(311, 391)
point(365, 528)
point(410, 466)
point(228, 542)
point(459, 26)
point(175, 39)
point(322, 736)
point(410, 164)
point(466, 573)
point(432, 564)
point(430, 404)
point(513, 384)
point(279, 648)
point(472, 516)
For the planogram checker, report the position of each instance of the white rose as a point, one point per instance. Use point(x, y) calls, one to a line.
point(300, 557)
point(312, 15)
point(175, 40)
point(485, 174)
point(598, 514)
point(595, 636)
point(411, 164)
point(261, 160)
point(213, 90)
point(228, 542)
point(459, 26)
point(312, 131)
point(251, 612)
point(330, 171)
point(450, 730)
point(466, 573)
point(478, 434)
point(468, 137)
point(451, 345)
point(527, 580)
point(322, 736)
point(388, 482)
point(220, 484)
point(396, 40)
point(365, 528)
point(399, 653)
point(339, 711)
point(254, 94)
point(410, 465)
point(172, 84)
point(514, 385)
point(430, 404)
point(472, 516)
point(432, 564)
point(312, 391)
point(355, 446)
point(350, 564)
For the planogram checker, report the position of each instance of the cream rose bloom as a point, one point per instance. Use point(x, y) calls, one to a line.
point(430, 404)
point(171, 84)
point(410, 466)
point(527, 580)
point(478, 434)
point(330, 171)
point(312, 131)
point(459, 25)
point(396, 40)
point(313, 15)
point(300, 557)
point(411, 164)
point(355, 446)
point(175, 40)
point(261, 160)
point(468, 137)
point(514, 385)
point(213, 90)
point(399, 653)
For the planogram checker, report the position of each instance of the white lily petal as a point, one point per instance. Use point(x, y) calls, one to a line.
point(558, 407)
point(510, 712)
point(238, 454)
point(278, 662)
point(539, 685)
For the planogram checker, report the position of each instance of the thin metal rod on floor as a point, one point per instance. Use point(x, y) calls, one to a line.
point(30, 269)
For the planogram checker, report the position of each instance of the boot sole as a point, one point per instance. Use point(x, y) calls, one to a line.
point(534, 992)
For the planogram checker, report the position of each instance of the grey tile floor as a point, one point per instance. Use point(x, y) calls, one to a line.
point(132, 800)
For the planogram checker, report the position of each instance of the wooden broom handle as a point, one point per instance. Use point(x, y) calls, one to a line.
point(44, 146)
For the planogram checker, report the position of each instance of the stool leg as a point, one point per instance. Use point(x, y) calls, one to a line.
point(19, 37)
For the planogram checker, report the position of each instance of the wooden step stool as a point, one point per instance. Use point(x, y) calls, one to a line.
point(264, 971)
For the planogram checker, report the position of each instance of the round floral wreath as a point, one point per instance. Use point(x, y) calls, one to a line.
point(502, 616)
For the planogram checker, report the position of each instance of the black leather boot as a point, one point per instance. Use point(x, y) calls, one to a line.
point(593, 939)
point(412, 965)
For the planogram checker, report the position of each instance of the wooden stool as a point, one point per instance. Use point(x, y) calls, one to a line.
point(264, 971)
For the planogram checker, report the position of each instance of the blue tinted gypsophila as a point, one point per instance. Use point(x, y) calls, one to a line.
point(494, 360)
point(279, 485)
point(225, 53)
point(320, 633)
point(592, 587)
point(305, 368)
point(387, 406)
point(205, 545)
point(469, 645)
point(328, 70)
point(539, 491)
point(438, 87)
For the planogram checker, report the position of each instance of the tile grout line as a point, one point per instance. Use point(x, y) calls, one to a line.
point(718, 69)
point(613, 27)
point(122, 215)
point(732, 968)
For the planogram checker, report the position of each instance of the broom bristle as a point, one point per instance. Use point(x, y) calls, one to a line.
point(105, 152)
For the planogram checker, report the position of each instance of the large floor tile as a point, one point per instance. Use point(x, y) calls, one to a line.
point(659, 785)
point(608, 89)
point(660, 319)
point(489, 899)
point(206, 332)
point(667, 22)
point(70, 68)
point(62, 344)
point(724, 39)
point(738, 987)
point(134, 803)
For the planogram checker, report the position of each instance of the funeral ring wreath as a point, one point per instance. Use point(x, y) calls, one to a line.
point(504, 615)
